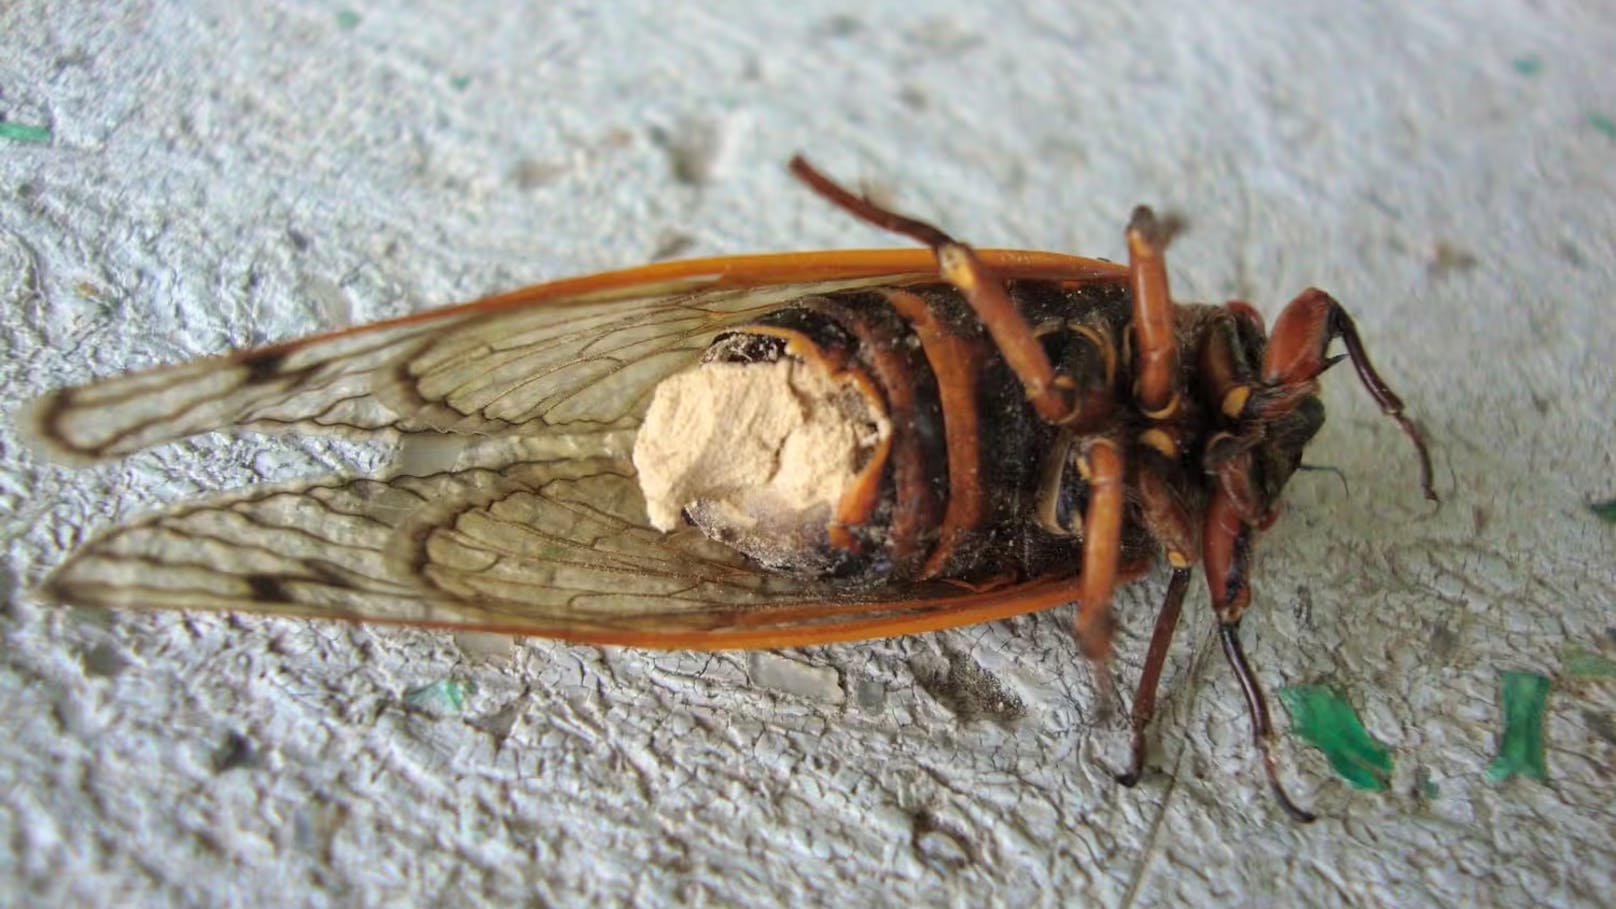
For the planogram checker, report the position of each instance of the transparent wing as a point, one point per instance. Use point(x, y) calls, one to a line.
point(579, 354)
point(537, 360)
point(554, 547)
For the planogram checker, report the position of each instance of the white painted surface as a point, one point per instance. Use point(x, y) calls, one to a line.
point(224, 175)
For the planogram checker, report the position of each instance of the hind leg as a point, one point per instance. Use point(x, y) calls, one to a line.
point(1053, 396)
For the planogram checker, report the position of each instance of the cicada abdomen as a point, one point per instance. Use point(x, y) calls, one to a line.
point(878, 437)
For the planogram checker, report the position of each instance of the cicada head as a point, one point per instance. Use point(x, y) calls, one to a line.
point(1253, 463)
point(1272, 420)
point(1277, 411)
point(1284, 439)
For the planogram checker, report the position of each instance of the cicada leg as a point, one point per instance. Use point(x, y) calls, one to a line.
point(1160, 485)
point(1144, 700)
point(1053, 396)
point(1101, 464)
point(1296, 356)
point(1226, 542)
point(1156, 376)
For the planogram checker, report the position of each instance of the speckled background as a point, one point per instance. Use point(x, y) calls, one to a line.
point(218, 174)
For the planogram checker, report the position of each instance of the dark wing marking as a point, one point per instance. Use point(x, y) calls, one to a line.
point(548, 547)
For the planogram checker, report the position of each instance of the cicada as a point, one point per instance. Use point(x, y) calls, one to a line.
point(987, 433)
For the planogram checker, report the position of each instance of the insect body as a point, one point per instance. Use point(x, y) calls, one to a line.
point(957, 477)
point(1019, 430)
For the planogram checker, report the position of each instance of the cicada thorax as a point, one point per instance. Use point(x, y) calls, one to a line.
point(966, 481)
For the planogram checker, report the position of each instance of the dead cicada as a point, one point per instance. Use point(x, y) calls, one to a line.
point(750, 452)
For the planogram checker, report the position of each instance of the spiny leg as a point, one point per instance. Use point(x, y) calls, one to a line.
point(1051, 395)
point(1144, 700)
point(1295, 356)
point(1227, 544)
point(1156, 377)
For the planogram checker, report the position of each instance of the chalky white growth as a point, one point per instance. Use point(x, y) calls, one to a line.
point(762, 450)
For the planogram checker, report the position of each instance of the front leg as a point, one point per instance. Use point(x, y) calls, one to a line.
point(1226, 542)
point(1296, 356)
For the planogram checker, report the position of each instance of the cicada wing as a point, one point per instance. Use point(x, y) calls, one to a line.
point(437, 549)
point(548, 547)
point(580, 354)
point(539, 360)
point(576, 367)
point(319, 384)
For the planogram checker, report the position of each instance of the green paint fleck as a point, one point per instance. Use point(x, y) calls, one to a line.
point(347, 19)
point(24, 132)
point(1605, 125)
point(1604, 511)
point(442, 696)
point(1587, 664)
point(1528, 65)
point(1430, 790)
point(1323, 719)
point(1520, 748)
point(459, 83)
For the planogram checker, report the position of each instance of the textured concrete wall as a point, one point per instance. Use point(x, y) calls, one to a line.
point(217, 174)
